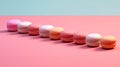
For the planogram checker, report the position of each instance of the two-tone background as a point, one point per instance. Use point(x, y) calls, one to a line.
point(83, 16)
point(60, 7)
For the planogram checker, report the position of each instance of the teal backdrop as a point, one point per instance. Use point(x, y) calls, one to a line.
point(59, 7)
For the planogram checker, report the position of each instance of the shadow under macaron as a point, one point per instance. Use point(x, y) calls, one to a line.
point(9, 32)
point(103, 49)
point(4, 31)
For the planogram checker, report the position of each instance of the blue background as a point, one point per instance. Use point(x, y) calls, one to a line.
point(59, 7)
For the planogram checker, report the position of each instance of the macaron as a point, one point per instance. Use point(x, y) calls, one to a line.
point(108, 42)
point(33, 29)
point(93, 39)
point(79, 38)
point(23, 27)
point(66, 36)
point(12, 24)
point(55, 33)
point(44, 30)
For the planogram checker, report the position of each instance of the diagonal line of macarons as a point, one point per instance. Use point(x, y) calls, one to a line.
point(58, 33)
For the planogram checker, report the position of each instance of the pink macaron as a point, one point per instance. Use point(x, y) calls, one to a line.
point(79, 38)
point(67, 36)
point(12, 24)
point(33, 29)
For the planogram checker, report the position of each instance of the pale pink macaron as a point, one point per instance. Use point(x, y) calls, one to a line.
point(33, 29)
point(66, 36)
point(23, 27)
point(79, 38)
point(93, 39)
point(12, 24)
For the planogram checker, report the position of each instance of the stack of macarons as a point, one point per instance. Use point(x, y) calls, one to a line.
point(59, 33)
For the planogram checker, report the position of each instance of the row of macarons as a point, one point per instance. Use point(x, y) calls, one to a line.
point(59, 33)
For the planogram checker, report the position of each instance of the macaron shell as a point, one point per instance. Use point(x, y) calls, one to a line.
point(108, 46)
point(24, 24)
point(93, 44)
point(54, 37)
point(44, 35)
point(66, 39)
point(81, 42)
point(12, 27)
point(93, 37)
point(46, 27)
point(57, 29)
point(33, 27)
point(77, 37)
point(23, 30)
point(66, 34)
point(34, 32)
point(108, 40)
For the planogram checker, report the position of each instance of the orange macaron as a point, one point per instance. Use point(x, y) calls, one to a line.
point(108, 42)
point(55, 33)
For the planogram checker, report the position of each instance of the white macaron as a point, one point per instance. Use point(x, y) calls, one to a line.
point(93, 39)
point(44, 30)
point(23, 27)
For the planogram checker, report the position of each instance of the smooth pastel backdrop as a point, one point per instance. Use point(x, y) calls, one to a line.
point(22, 50)
point(59, 7)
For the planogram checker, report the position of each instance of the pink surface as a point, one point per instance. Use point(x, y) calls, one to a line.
point(22, 50)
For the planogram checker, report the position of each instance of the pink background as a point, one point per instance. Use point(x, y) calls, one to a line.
point(22, 50)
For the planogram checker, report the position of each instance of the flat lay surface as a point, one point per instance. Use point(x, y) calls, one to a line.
point(22, 50)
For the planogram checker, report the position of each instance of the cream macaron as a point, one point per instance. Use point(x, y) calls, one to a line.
point(108, 42)
point(12, 24)
point(23, 27)
point(93, 39)
point(55, 33)
point(44, 30)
